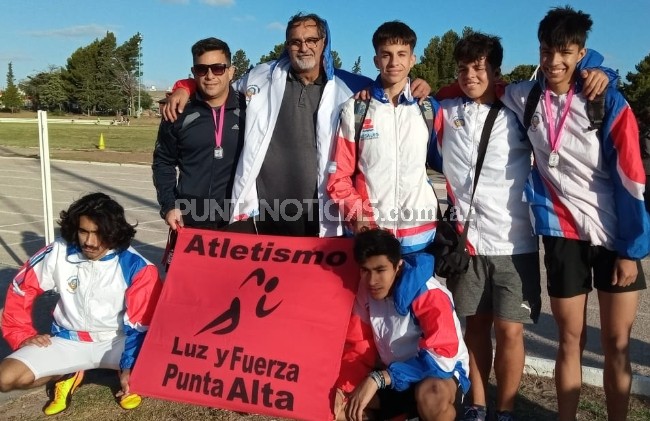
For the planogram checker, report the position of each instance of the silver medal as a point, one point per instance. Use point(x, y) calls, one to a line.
point(218, 153)
point(553, 159)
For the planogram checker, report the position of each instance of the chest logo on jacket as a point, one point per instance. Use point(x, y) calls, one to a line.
point(368, 130)
point(73, 283)
point(534, 121)
point(458, 122)
point(250, 91)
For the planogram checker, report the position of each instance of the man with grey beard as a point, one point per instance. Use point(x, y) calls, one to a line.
point(292, 115)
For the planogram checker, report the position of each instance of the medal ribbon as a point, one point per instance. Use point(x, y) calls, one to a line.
point(555, 138)
point(218, 129)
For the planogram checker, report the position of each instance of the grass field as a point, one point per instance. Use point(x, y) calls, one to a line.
point(75, 136)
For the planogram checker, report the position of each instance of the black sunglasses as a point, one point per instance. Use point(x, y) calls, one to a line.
point(217, 69)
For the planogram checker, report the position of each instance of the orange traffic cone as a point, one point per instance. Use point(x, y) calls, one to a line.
point(101, 146)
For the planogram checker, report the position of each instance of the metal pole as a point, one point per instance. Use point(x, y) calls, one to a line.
point(46, 179)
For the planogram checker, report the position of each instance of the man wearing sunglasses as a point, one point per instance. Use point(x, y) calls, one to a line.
point(293, 109)
point(204, 144)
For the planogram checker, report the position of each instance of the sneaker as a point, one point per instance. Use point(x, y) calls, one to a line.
point(63, 390)
point(130, 401)
point(474, 413)
point(505, 416)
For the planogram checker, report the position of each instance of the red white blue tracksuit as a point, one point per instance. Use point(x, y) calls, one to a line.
point(415, 332)
point(385, 175)
point(595, 193)
point(99, 299)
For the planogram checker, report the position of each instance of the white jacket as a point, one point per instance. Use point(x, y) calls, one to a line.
point(264, 86)
point(501, 225)
point(99, 299)
point(385, 175)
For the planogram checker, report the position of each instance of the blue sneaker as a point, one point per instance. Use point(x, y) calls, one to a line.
point(474, 413)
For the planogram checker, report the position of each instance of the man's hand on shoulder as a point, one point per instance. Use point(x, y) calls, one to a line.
point(175, 104)
point(420, 89)
point(38, 340)
point(594, 83)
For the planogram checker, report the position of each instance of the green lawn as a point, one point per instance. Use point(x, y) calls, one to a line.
point(134, 138)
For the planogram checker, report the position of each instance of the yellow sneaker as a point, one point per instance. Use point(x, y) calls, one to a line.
point(130, 401)
point(63, 390)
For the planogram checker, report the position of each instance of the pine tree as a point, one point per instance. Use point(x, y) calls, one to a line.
point(520, 72)
point(356, 68)
point(337, 59)
point(637, 91)
point(241, 63)
point(274, 54)
point(11, 98)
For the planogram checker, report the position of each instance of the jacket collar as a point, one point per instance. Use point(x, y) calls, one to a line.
point(377, 92)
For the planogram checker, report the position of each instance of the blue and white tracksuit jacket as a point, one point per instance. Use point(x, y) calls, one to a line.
point(595, 193)
point(99, 299)
point(415, 332)
point(264, 87)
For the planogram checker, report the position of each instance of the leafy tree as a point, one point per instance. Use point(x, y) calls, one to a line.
point(241, 63)
point(127, 72)
point(146, 102)
point(428, 68)
point(274, 54)
point(447, 64)
point(53, 95)
point(102, 77)
point(356, 68)
point(520, 72)
point(110, 96)
point(637, 91)
point(437, 65)
point(11, 98)
point(34, 85)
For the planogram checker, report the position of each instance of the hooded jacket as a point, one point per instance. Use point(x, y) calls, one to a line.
point(264, 87)
point(415, 332)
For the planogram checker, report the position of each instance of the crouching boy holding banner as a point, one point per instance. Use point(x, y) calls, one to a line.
point(404, 316)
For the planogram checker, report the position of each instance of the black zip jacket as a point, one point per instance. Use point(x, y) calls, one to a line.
point(204, 182)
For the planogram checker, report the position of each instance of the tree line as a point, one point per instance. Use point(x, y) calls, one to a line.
point(102, 77)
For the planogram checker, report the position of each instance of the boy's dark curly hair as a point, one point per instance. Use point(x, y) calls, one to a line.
point(112, 227)
point(376, 242)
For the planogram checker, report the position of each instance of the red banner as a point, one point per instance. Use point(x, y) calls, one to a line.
point(250, 323)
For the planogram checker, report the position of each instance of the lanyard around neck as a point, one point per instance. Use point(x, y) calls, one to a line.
point(218, 128)
point(555, 132)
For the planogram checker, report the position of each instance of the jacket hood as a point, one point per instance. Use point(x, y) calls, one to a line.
point(417, 269)
point(328, 60)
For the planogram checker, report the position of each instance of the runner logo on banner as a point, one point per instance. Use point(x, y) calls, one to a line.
point(250, 323)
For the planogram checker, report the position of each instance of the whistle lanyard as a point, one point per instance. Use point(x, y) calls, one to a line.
point(218, 131)
point(555, 131)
